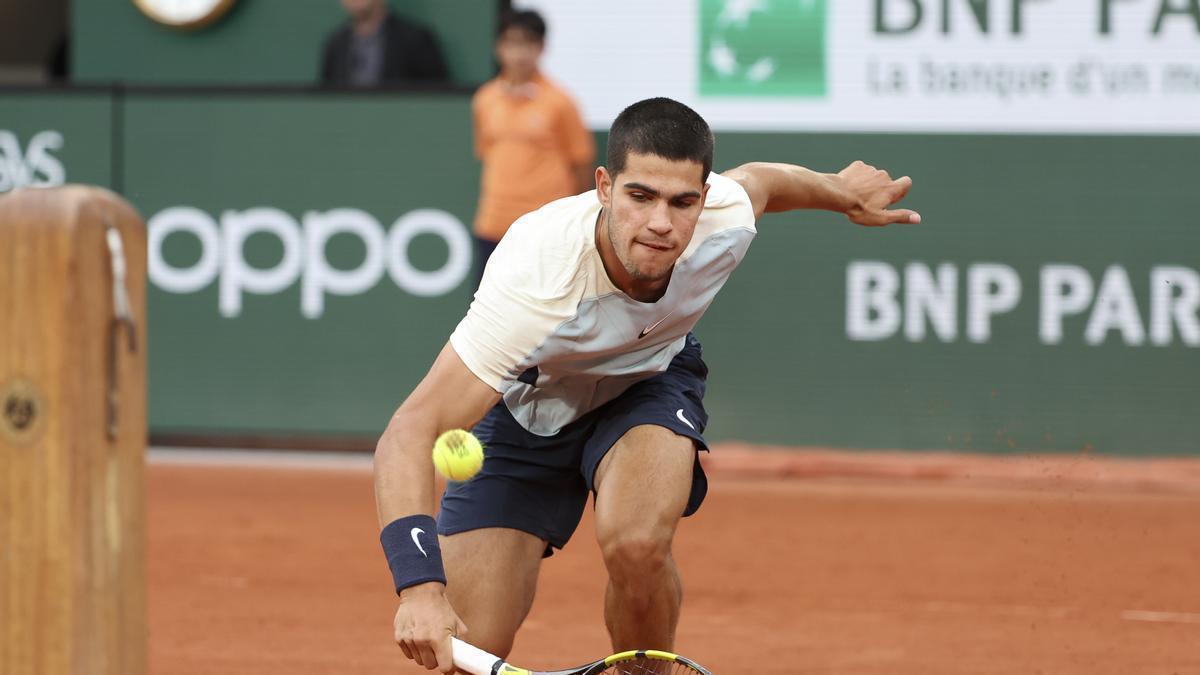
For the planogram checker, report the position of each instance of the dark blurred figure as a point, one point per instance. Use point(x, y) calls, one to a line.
point(58, 65)
point(377, 48)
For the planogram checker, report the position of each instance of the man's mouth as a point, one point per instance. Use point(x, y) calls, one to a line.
point(657, 246)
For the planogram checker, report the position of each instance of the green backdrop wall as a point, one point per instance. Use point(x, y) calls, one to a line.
point(258, 42)
point(829, 334)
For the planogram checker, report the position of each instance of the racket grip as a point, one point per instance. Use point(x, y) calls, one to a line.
point(474, 660)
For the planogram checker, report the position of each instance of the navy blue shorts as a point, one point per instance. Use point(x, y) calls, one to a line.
point(540, 485)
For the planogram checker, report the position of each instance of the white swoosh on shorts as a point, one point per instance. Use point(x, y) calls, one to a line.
point(679, 414)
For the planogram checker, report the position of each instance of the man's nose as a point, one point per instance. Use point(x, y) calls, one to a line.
point(660, 221)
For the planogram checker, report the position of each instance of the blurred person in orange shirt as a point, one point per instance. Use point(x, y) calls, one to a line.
point(528, 134)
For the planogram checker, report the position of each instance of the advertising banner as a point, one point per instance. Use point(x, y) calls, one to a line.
point(308, 257)
point(48, 139)
point(1043, 66)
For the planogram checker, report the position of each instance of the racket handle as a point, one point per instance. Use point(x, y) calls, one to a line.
point(474, 660)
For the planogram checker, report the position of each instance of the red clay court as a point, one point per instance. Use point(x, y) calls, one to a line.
point(853, 564)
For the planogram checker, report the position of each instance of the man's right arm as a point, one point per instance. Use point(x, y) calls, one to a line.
point(449, 397)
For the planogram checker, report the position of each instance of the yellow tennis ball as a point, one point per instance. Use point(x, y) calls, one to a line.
point(457, 454)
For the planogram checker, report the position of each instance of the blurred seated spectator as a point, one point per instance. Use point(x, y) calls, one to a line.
point(378, 48)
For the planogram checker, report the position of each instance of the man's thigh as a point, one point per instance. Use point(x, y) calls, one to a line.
point(644, 483)
point(491, 579)
point(648, 437)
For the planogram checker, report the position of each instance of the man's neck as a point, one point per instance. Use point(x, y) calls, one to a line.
point(369, 24)
point(514, 80)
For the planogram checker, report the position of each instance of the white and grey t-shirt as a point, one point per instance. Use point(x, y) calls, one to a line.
point(552, 334)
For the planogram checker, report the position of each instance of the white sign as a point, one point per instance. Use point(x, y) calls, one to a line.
point(1056, 66)
point(222, 254)
point(33, 165)
point(922, 303)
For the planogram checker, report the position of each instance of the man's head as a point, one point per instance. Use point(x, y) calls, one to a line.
point(361, 10)
point(659, 156)
point(519, 44)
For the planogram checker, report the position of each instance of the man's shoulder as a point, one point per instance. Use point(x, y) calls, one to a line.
point(555, 93)
point(486, 91)
point(545, 249)
point(562, 220)
point(727, 211)
point(725, 192)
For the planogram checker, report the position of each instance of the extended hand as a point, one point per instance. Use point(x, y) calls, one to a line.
point(871, 191)
point(424, 624)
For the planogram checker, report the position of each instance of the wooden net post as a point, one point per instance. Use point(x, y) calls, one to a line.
point(72, 433)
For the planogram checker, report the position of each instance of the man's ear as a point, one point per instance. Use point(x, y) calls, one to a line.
point(604, 185)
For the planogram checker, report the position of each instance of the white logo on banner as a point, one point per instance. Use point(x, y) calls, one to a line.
point(34, 166)
point(922, 303)
point(222, 255)
point(1061, 66)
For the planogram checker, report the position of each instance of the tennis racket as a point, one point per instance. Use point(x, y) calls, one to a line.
point(475, 661)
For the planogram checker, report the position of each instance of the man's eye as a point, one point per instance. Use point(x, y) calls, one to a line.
point(639, 197)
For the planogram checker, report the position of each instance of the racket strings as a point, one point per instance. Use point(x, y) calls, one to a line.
point(646, 666)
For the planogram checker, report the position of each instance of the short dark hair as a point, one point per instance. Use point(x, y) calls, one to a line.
point(662, 127)
point(525, 19)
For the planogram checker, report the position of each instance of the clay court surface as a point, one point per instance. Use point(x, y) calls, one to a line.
point(277, 571)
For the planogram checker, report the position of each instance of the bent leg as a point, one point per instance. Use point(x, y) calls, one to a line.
point(491, 579)
point(642, 489)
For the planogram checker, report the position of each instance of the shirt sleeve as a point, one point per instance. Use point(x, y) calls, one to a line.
point(727, 208)
point(575, 137)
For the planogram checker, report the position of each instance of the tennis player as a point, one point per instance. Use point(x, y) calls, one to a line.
point(577, 368)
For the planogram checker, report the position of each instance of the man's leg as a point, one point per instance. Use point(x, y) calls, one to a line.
point(491, 578)
point(642, 488)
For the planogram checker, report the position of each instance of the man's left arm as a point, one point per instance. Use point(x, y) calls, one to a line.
point(860, 191)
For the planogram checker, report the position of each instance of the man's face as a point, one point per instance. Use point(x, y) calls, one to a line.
point(651, 209)
point(518, 51)
point(360, 8)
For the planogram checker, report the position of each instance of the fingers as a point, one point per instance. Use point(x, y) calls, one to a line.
point(426, 654)
point(403, 637)
point(876, 191)
point(429, 646)
point(445, 654)
point(417, 650)
point(882, 217)
point(901, 186)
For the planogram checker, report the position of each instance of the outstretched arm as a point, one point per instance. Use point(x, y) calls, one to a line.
point(860, 191)
point(449, 397)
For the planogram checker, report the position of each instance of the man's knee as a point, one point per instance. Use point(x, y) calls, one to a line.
point(491, 626)
point(636, 553)
point(493, 639)
point(492, 576)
